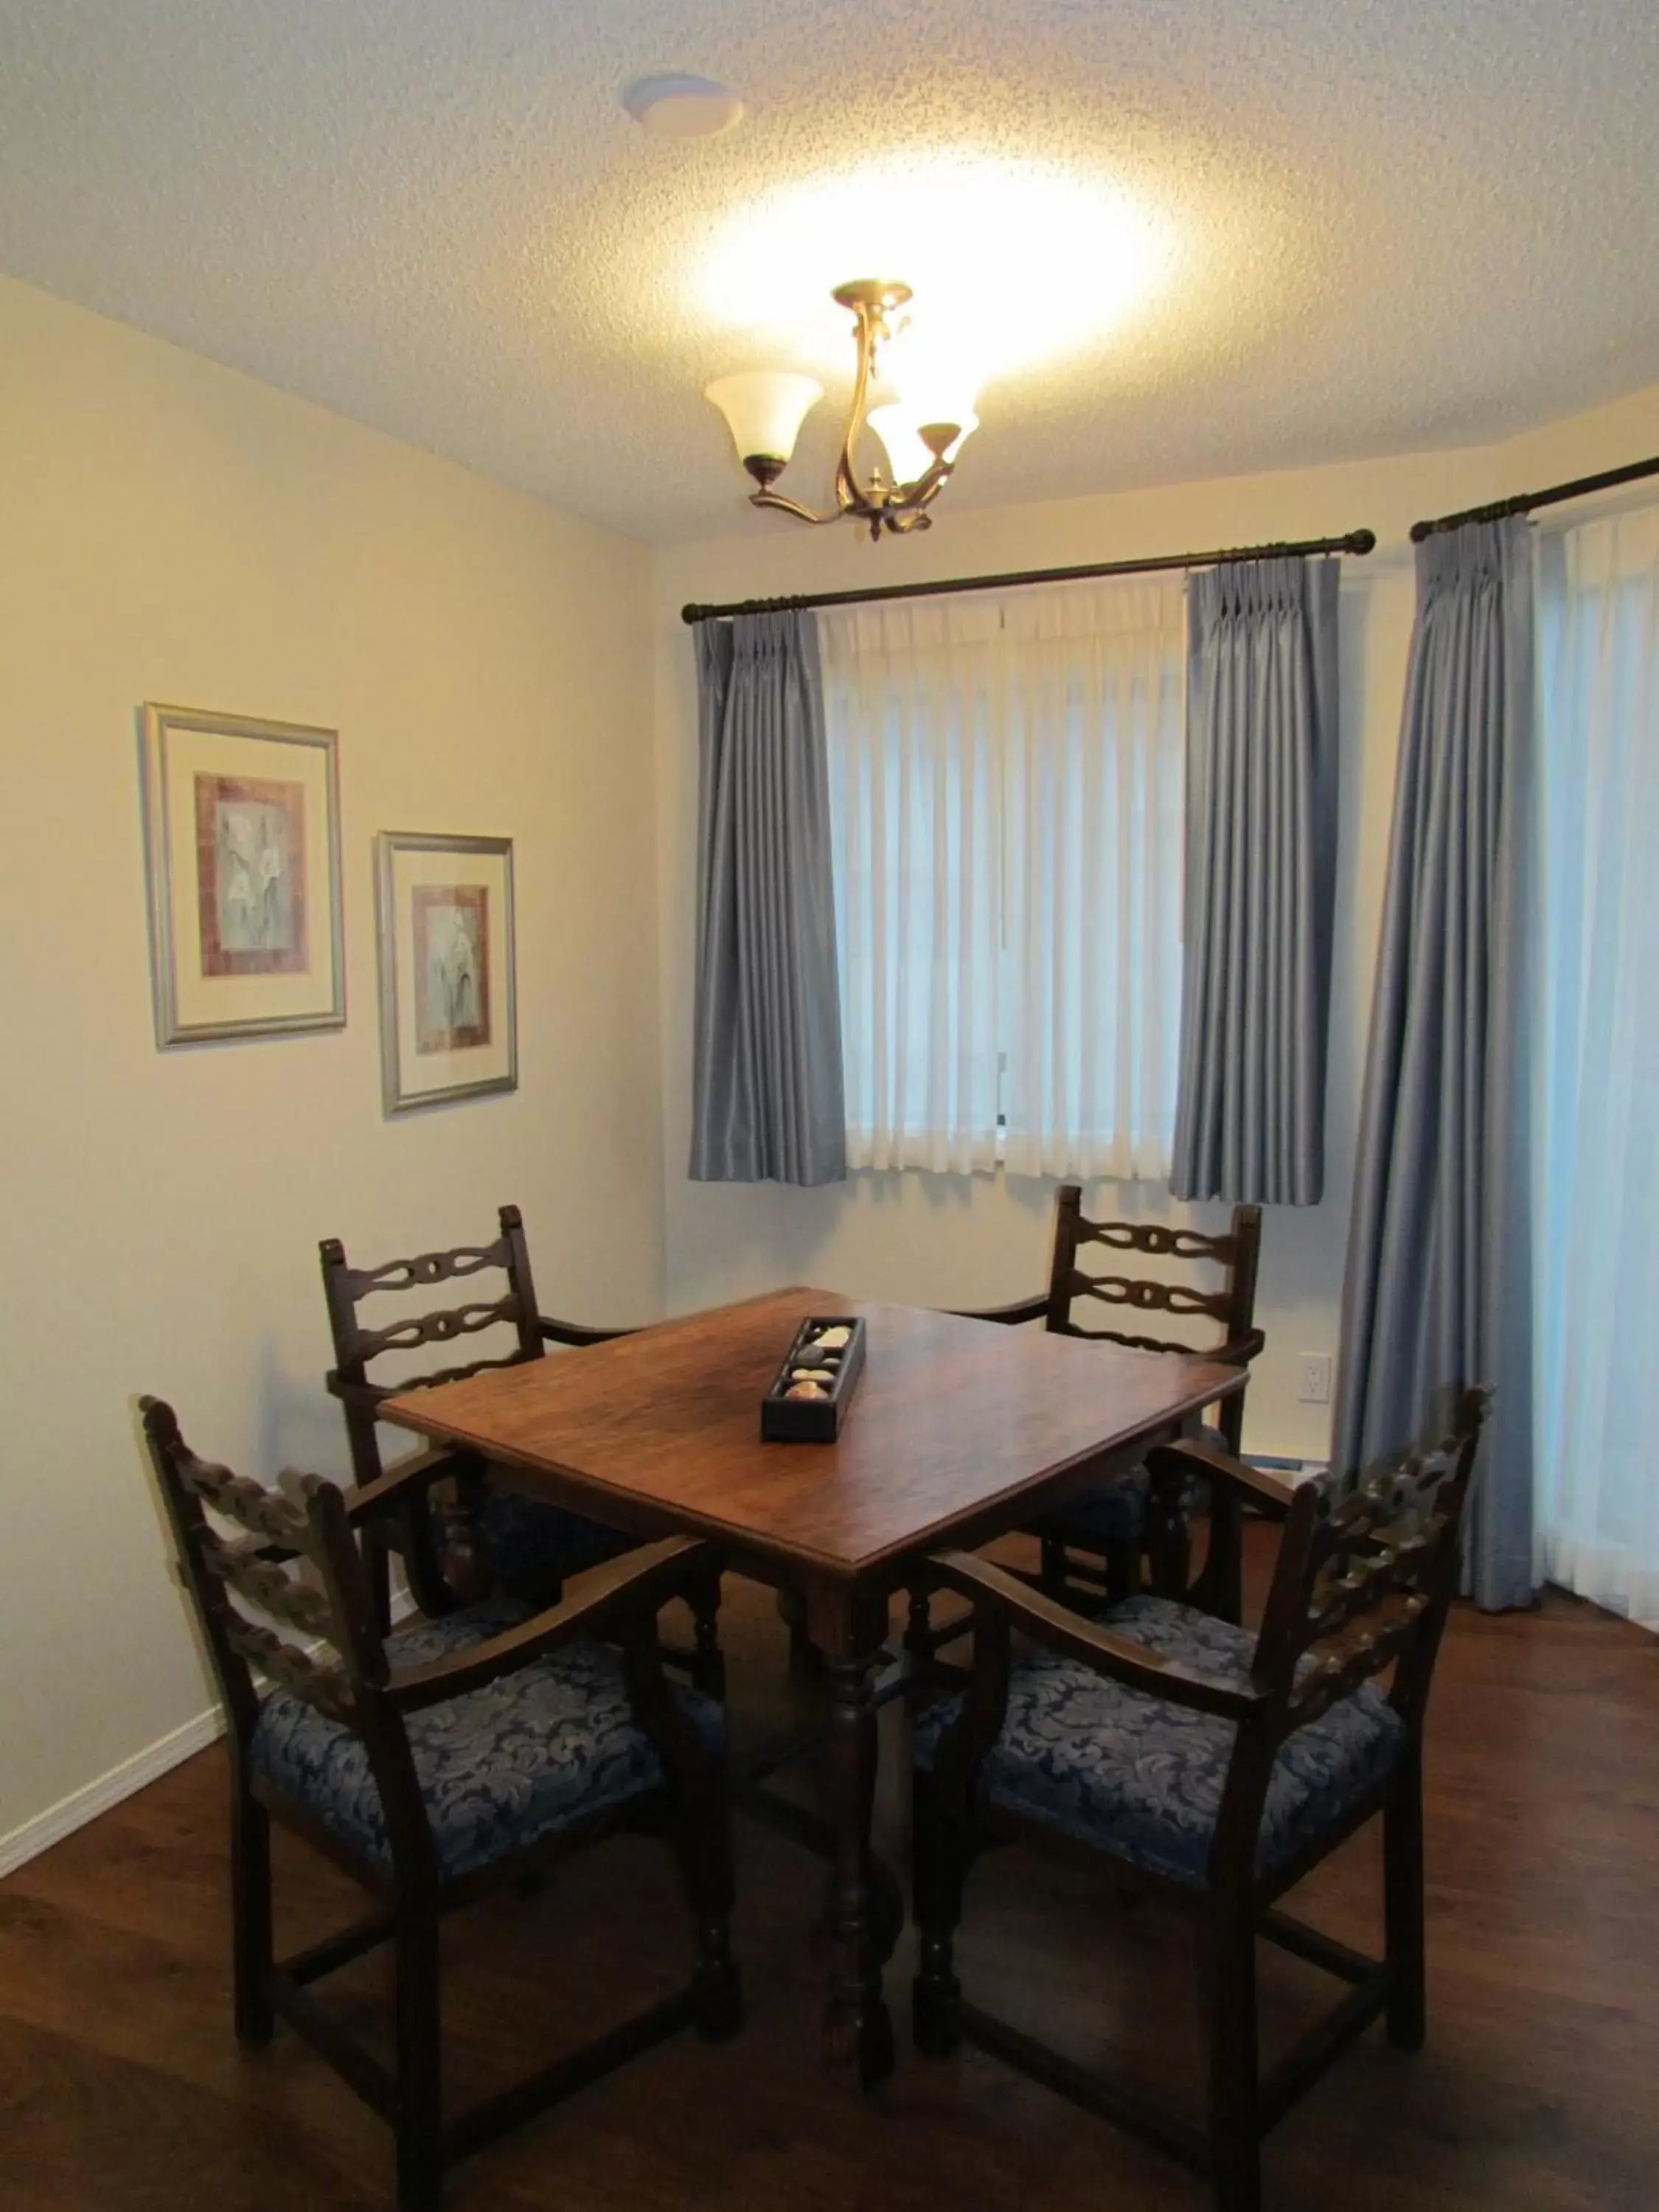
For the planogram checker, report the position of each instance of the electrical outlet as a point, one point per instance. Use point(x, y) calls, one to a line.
point(1315, 1389)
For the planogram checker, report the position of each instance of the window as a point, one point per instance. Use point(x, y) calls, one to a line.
point(1006, 780)
point(1596, 1253)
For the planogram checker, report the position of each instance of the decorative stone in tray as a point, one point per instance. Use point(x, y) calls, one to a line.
point(810, 1390)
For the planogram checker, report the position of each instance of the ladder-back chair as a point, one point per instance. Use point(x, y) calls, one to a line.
point(1214, 1767)
point(455, 1757)
point(488, 1535)
point(1093, 1549)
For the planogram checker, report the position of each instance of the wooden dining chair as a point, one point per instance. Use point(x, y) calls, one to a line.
point(457, 1756)
point(1093, 1549)
point(486, 1534)
point(1213, 1768)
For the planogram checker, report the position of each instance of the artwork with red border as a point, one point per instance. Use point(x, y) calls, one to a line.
point(451, 966)
point(251, 876)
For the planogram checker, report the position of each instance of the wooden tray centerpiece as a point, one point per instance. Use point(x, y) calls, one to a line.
point(810, 1390)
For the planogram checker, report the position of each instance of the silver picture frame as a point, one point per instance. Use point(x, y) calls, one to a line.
point(448, 973)
point(242, 828)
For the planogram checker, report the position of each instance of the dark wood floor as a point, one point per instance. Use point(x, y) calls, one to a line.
point(120, 2086)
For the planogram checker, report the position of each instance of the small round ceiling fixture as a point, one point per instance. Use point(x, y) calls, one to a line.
point(683, 106)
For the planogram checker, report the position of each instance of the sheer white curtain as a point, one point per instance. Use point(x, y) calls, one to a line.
point(1094, 736)
point(916, 828)
point(1598, 1184)
point(1006, 805)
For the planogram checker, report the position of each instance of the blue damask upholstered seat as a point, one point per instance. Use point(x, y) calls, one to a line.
point(532, 1548)
point(499, 1767)
point(1114, 1511)
point(1142, 1778)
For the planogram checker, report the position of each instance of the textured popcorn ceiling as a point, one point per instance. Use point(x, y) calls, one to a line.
point(1382, 224)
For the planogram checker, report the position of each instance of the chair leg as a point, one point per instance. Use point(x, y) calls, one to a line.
point(378, 1558)
point(418, 2115)
point(717, 1984)
point(465, 1566)
point(711, 1886)
point(1051, 1572)
point(1228, 1979)
point(709, 1661)
point(918, 1627)
point(939, 1867)
point(1122, 1571)
point(1402, 1908)
point(423, 1567)
point(1219, 1589)
point(1169, 1542)
point(251, 1951)
point(702, 1842)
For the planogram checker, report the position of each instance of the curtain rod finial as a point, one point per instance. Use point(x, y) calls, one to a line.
point(1362, 541)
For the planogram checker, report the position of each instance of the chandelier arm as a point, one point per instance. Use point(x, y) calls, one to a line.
point(793, 507)
point(926, 487)
point(910, 513)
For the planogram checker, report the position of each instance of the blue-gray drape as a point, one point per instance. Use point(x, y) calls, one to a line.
point(767, 1102)
point(1438, 1288)
point(1261, 781)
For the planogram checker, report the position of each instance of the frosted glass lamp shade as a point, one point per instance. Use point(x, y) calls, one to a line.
point(899, 426)
point(764, 409)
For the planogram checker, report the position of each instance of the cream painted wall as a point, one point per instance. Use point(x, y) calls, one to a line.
point(174, 531)
point(937, 1239)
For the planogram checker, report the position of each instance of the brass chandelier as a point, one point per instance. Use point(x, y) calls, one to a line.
point(919, 437)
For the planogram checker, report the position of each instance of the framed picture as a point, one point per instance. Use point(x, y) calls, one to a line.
point(242, 833)
point(448, 1021)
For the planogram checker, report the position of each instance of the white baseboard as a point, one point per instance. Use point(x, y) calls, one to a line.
point(132, 1775)
point(85, 1804)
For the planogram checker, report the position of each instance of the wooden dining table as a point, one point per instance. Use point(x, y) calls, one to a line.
point(958, 1431)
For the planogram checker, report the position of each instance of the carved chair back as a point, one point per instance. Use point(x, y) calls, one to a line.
point(1366, 1577)
point(1363, 1581)
point(279, 1586)
point(1230, 1304)
point(1227, 1302)
point(357, 1347)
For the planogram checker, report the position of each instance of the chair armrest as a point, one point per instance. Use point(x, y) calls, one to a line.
point(1011, 1317)
point(646, 1578)
point(1186, 1457)
point(402, 1481)
point(1239, 1351)
point(365, 1396)
point(1087, 1642)
point(573, 1332)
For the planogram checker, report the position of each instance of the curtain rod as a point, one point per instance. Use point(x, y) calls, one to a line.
point(1522, 502)
point(1357, 541)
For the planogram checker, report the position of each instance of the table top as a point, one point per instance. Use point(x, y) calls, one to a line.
point(949, 1418)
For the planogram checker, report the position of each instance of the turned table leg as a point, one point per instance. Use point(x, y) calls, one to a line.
point(848, 1622)
point(858, 2032)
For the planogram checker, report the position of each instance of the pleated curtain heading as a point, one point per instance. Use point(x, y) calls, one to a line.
point(767, 1089)
point(1260, 879)
point(1438, 1286)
